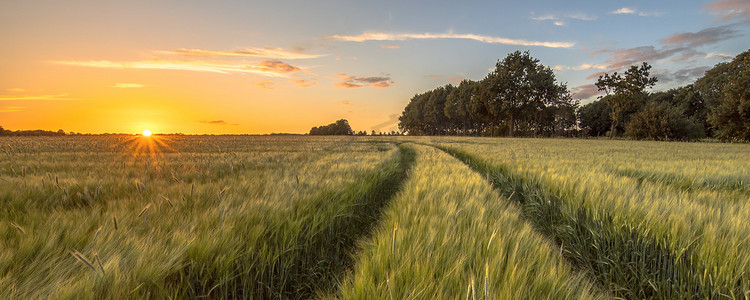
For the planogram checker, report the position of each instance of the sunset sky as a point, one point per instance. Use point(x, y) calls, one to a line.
point(285, 66)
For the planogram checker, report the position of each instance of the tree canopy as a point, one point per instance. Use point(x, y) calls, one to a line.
point(520, 94)
point(625, 91)
point(340, 127)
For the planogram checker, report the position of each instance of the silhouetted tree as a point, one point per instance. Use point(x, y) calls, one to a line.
point(340, 127)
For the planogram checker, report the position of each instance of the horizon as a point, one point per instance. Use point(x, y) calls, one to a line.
point(261, 68)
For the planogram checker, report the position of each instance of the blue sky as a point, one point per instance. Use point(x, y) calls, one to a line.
point(271, 66)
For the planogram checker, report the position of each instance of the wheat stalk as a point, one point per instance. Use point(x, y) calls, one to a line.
point(18, 227)
point(143, 211)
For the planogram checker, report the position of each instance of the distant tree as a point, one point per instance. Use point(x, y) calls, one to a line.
point(729, 113)
point(624, 91)
point(662, 121)
point(457, 106)
point(340, 127)
point(595, 118)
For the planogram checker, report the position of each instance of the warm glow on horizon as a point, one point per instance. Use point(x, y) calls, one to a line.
point(147, 132)
point(246, 71)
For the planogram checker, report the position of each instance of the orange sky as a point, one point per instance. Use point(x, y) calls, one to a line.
point(262, 67)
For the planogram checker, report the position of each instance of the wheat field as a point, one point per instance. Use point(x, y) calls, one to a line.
point(278, 217)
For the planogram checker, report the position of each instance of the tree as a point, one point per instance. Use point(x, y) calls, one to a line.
point(623, 91)
point(458, 106)
point(730, 113)
point(521, 87)
point(662, 121)
point(340, 127)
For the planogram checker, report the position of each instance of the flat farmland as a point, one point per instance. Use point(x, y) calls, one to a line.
point(259, 217)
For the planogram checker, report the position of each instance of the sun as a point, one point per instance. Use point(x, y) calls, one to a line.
point(147, 132)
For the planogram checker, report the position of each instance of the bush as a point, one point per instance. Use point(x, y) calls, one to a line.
point(662, 121)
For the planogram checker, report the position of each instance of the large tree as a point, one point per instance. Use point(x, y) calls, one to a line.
point(624, 90)
point(519, 86)
point(730, 112)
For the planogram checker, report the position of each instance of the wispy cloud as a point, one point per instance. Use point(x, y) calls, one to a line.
point(128, 85)
point(217, 122)
point(56, 97)
point(585, 91)
point(265, 85)
point(581, 67)
point(706, 36)
point(393, 46)
point(347, 103)
point(728, 10)
point(621, 58)
point(632, 11)
point(15, 90)
point(10, 108)
point(543, 18)
point(558, 20)
point(685, 75)
point(304, 82)
point(384, 36)
point(581, 16)
point(349, 81)
point(268, 52)
point(721, 56)
point(268, 68)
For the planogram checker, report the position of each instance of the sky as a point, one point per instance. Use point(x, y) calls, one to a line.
point(255, 67)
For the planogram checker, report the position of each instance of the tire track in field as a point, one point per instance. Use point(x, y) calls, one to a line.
point(320, 255)
point(683, 183)
point(339, 239)
point(620, 258)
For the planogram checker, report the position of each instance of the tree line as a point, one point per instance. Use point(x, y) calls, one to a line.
point(38, 132)
point(716, 105)
point(521, 97)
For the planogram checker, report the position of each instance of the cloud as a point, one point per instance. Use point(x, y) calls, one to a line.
point(304, 82)
point(268, 52)
point(585, 91)
point(720, 56)
point(580, 67)
point(347, 103)
point(383, 36)
point(631, 11)
point(622, 58)
point(15, 90)
point(558, 20)
point(544, 18)
point(128, 85)
point(394, 46)
point(217, 122)
point(57, 97)
point(681, 76)
point(595, 75)
point(581, 16)
point(392, 121)
point(268, 68)
point(265, 85)
point(728, 10)
point(349, 81)
point(623, 10)
point(10, 108)
point(704, 37)
point(277, 66)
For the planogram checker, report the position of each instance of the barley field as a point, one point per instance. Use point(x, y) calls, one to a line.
point(279, 217)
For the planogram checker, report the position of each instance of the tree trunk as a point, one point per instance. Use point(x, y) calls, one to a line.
point(510, 125)
point(612, 130)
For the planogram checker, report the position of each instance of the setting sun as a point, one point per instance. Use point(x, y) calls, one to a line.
point(147, 132)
